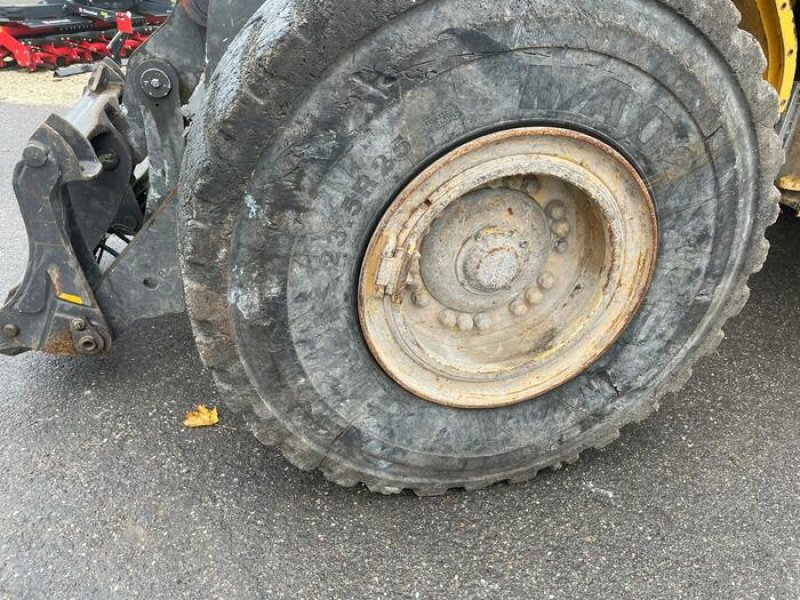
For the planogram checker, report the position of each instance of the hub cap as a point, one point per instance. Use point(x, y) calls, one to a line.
point(508, 267)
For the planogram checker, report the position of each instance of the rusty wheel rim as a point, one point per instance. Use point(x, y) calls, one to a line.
point(508, 267)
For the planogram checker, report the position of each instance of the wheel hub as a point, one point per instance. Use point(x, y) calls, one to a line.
point(507, 267)
point(484, 249)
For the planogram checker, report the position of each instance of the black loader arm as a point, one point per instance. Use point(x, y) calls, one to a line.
point(96, 190)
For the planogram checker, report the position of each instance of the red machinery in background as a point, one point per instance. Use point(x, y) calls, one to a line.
point(50, 34)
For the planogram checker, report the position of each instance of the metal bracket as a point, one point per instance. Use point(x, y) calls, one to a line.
point(76, 186)
point(57, 288)
point(145, 282)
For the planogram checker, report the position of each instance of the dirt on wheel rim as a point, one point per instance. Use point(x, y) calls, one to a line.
point(508, 267)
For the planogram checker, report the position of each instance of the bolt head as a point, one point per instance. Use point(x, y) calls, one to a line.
point(78, 325)
point(35, 155)
point(10, 330)
point(519, 308)
point(422, 298)
point(465, 323)
point(532, 185)
point(534, 297)
point(562, 229)
point(483, 322)
point(562, 247)
point(109, 160)
point(547, 280)
point(448, 318)
point(556, 210)
point(155, 83)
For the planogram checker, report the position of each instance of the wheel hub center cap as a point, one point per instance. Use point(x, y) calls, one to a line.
point(492, 262)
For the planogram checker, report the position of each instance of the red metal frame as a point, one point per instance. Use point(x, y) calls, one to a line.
point(55, 51)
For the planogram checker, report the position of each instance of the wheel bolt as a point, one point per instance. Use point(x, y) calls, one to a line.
point(562, 229)
point(519, 308)
point(465, 323)
point(547, 280)
point(534, 297)
point(483, 322)
point(556, 210)
point(562, 247)
point(10, 330)
point(532, 186)
point(422, 298)
point(448, 318)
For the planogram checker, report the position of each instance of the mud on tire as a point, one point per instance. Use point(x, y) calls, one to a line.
point(316, 118)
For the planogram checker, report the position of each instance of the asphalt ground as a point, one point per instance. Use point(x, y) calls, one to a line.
point(104, 494)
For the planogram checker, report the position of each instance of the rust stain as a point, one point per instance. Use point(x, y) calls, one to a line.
point(60, 344)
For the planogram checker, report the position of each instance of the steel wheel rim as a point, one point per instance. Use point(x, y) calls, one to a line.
point(507, 267)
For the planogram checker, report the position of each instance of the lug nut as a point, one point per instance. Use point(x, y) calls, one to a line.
point(556, 210)
point(422, 298)
point(562, 247)
point(534, 297)
point(10, 330)
point(547, 280)
point(448, 318)
point(532, 186)
point(562, 229)
point(519, 308)
point(483, 322)
point(465, 323)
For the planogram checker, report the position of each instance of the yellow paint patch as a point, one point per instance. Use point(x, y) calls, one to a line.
point(789, 183)
point(71, 299)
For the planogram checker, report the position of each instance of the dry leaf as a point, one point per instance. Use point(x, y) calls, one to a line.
point(201, 416)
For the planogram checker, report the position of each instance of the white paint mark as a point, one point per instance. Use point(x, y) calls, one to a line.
point(247, 303)
point(251, 204)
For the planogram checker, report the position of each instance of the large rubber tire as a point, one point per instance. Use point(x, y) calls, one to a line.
point(321, 111)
